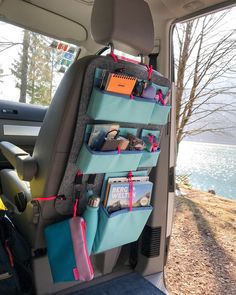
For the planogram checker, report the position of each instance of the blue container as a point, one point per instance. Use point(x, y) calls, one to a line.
point(92, 162)
point(90, 216)
point(120, 227)
point(160, 114)
point(149, 159)
point(108, 106)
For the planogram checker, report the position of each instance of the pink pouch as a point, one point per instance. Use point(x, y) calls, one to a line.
point(67, 250)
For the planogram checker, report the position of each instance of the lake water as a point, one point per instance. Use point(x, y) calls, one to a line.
point(210, 166)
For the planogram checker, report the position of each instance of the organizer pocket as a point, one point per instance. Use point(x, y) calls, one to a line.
point(109, 106)
point(120, 227)
point(92, 162)
point(149, 159)
point(160, 114)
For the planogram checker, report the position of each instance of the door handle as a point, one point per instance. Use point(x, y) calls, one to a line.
point(9, 111)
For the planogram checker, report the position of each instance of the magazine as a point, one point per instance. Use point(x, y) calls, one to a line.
point(118, 195)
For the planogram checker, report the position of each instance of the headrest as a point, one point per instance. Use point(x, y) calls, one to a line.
point(126, 24)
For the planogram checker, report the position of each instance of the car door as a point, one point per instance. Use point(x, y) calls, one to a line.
point(20, 124)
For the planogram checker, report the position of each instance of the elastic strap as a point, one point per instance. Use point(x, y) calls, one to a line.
point(78, 177)
point(10, 256)
point(131, 189)
point(154, 144)
point(118, 149)
point(76, 274)
point(149, 70)
point(45, 199)
point(75, 207)
point(131, 96)
point(159, 96)
point(114, 57)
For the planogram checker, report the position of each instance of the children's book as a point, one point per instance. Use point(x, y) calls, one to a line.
point(118, 195)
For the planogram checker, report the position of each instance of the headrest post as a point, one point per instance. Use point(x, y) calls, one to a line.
point(111, 45)
point(142, 59)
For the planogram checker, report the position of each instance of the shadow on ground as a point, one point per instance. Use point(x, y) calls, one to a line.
point(220, 261)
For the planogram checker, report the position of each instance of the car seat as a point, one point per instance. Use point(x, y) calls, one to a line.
point(52, 169)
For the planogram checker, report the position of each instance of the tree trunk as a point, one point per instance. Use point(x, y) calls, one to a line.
point(24, 66)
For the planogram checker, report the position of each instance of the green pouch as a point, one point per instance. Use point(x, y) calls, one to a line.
point(92, 162)
point(120, 227)
point(149, 159)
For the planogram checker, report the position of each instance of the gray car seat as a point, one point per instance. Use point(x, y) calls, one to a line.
point(52, 169)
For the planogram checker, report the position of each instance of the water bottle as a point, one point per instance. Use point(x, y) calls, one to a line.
point(90, 216)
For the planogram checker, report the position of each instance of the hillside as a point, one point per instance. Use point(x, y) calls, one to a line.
point(202, 257)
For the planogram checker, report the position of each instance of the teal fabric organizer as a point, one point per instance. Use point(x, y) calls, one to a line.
point(120, 227)
point(92, 162)
point(120, 108)
point(160, 114)
point(149, 159)
point(108, 106)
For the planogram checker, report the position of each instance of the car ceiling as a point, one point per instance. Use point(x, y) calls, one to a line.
point(70, 19)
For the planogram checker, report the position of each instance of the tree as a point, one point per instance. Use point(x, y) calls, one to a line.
point(34, 69)
point(205, 67)
point(24, 66)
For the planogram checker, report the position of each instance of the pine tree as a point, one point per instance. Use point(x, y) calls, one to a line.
point(34, 69)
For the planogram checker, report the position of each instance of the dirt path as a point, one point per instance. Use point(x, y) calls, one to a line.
point(202, 257)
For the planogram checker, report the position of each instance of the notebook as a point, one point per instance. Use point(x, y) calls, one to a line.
point(120, 83)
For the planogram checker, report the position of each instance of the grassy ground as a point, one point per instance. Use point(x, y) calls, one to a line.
point(202, 257)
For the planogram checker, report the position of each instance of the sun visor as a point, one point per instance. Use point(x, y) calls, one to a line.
point(127, 24)
point(42, 21)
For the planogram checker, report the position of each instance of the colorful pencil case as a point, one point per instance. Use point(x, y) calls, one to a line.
point(120, 227)
point(67, 251)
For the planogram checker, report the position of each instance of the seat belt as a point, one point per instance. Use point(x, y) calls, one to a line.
point(153, 60)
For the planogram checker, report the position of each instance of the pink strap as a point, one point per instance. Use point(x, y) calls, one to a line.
point(75, 208)
point(53, 198)
point(150, 70)
point(76, 274)
point(45, 199)
point(79, 173)
point(154, 144)
point(131, 96)
point(131, 190)
point(9, 253)
point(118, 149)
point(159, 97)
point(114, 57)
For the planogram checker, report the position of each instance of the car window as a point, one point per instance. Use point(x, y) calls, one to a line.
point(31, 65)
